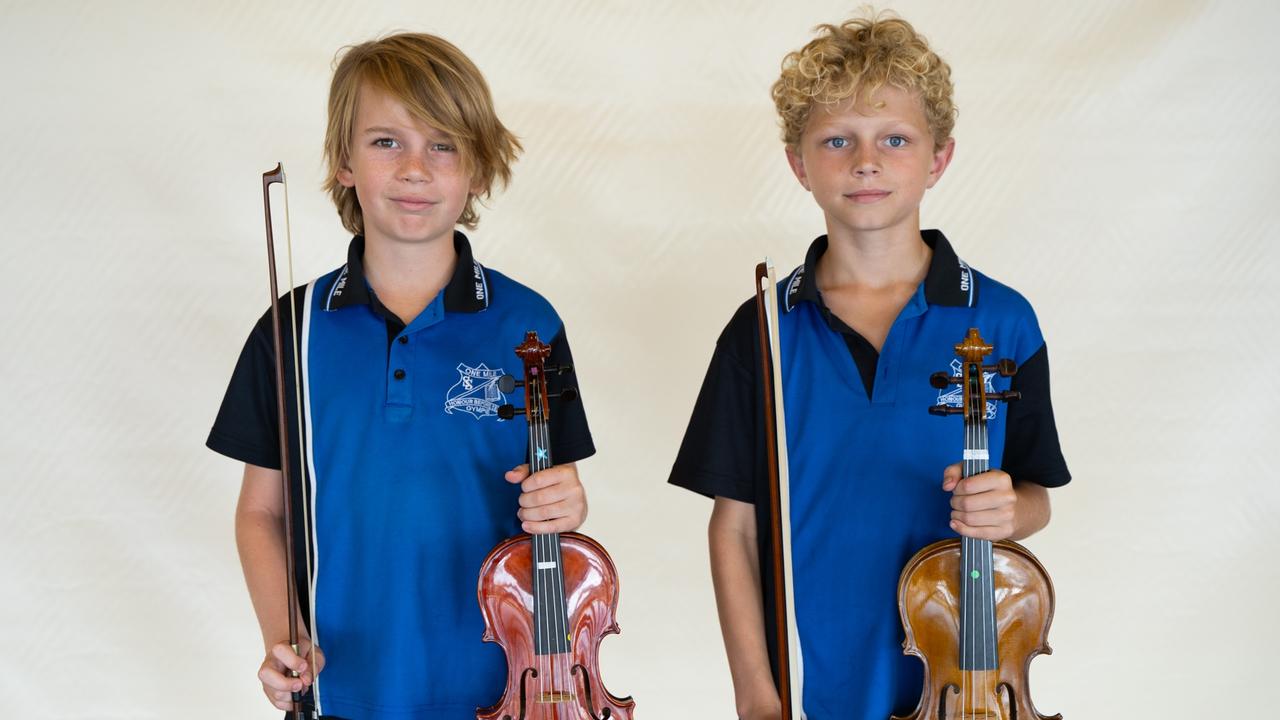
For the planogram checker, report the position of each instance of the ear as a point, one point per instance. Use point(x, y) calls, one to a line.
point(797, 166)
point(346, 178)
point(941, 159)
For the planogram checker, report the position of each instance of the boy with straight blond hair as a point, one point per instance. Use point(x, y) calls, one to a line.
point(400, 351)
point(877, 306)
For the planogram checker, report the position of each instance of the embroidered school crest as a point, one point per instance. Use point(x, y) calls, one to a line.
point(476, 391)
point(954, 395)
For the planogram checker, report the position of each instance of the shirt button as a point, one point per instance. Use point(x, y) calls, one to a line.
point(399, 374)
point(404, 339)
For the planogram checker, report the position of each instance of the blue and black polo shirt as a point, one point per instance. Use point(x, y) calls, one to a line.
point(866, 459)
point(404, 456)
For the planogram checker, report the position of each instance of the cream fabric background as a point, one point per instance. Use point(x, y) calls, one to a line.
point(1116, 162)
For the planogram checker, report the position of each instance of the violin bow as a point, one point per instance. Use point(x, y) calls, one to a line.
point(790, 661)
point(269, 178)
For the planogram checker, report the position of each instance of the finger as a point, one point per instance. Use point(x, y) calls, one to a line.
point(277, 684)
point(285, 655)
point(981, 533)
point(550, 477)
point(282, 700)
point(1000, 517)
point(950, 476)
point(549, 496)
point(558, 525)
point(517, 474)
point(988, 500)
point(986, 481)
point(550, 511)
point(285, 703)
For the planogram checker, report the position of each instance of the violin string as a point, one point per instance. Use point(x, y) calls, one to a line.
point(974, 635)
point(964, 584)
point(544, 632)
point(988, 557)
point(988, 605)
point(554, 550)
point(539, 548)
point(297, 394)
point(966, 597)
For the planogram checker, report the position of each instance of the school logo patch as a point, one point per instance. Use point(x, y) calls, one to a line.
point(476, 392)
point(954, 395)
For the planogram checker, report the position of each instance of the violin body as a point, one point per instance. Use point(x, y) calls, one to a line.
point(563, 686)
point(929, 599)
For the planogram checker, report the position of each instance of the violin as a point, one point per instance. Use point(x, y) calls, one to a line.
point(976, 612)
point(548, 599)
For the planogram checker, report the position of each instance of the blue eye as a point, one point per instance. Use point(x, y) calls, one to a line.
point(896, 141)
point(443, 147)
point(385, 143)
point(836, 142)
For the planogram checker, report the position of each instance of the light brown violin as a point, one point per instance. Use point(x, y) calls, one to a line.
point(975, 612)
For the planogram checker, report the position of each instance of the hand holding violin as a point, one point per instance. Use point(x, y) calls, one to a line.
point(991, 506)
point(552, 500)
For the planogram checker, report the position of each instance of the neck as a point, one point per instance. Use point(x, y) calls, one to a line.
point(406, 276)
point(875, 260)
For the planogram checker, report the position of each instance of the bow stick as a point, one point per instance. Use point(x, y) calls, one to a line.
point(276, 175)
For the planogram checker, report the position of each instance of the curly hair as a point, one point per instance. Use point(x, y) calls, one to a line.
point(863, 54)
point(439, 86)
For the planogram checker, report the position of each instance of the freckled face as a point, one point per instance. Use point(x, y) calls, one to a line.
point(408, 176)
point(869, 163)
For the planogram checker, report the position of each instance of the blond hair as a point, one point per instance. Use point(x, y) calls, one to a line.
point(863, 54)
point(439, 86)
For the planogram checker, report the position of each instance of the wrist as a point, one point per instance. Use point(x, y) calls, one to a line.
point(761, 703)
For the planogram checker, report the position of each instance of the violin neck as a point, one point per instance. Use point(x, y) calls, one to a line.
point(977, 597)
point(550, 615)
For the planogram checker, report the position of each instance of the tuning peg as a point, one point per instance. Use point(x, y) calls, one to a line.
point(940, 380)
point(1005, 396)
point(508, 411)
point(559, 369)
point(508, 383)
point(1006, 368)
point(567, 394)
point(945, 410)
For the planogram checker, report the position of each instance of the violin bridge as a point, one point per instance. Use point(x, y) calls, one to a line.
point(556, 696)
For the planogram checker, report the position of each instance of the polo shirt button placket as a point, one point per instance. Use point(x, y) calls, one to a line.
point(399, 385)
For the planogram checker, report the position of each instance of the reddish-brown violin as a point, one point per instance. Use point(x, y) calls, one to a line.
point(975, 612)
point(549, 599)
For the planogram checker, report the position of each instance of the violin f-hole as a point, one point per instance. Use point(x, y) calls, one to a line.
point(1010, 703)
point(605, 713)
point(528, 672)
point(942, 699)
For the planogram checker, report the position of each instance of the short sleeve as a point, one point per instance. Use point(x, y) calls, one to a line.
point(1032, 452)
point(246, 427)
point(722, 453)
point(570, 435)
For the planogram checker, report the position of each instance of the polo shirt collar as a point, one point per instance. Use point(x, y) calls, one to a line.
point(949, 281)
point(467, 291)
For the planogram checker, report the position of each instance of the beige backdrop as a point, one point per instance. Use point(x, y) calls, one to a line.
point(1116, 162)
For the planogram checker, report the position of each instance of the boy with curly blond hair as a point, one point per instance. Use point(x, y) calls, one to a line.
point(877, 306)
point(401, 479)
